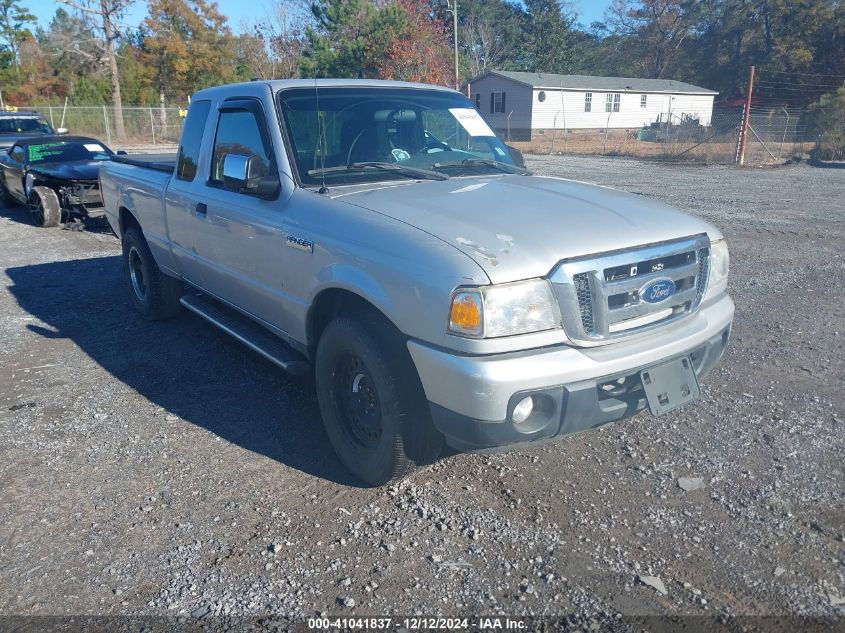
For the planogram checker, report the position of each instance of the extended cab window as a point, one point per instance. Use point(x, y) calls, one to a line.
point(189, 148)
point(239, 132)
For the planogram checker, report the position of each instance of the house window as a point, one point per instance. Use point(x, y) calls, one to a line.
point(497, 102)
point(612, 102)
point(478, 101)
point(588, 102)
point(541, 96)
point(643, 100)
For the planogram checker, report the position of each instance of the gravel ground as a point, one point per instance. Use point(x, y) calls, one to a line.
point(162, 469)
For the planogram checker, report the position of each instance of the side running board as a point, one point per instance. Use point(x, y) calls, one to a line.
point(248, 332)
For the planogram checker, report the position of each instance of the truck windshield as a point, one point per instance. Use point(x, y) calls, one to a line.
point(413, 128)
point(24, 125)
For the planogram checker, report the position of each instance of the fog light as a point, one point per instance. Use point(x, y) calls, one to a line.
point(522, 410)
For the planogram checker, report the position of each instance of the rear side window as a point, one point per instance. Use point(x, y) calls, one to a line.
point(239, 132)
point(189, 148)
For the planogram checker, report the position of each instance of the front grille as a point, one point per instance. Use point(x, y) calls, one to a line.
point(626, 271)
point(585, 302)
point(703, 272)
point(601, 297)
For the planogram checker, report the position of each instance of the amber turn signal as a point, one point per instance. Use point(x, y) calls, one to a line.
point(466, 317)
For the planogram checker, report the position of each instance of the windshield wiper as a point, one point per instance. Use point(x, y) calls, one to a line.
point(405, 170)
point(486, 162)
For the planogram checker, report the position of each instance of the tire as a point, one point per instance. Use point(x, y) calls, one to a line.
point(371, 400)
point(46, 209)
point(154, 294)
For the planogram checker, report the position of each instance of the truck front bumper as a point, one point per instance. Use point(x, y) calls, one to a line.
point(472, 398)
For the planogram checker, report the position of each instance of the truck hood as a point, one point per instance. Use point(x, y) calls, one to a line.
point(518, 227)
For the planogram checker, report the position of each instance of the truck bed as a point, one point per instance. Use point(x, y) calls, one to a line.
point(160, 162)
point(139, 183)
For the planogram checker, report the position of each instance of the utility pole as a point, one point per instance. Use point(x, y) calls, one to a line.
point(746, 121)
point(455, 33)
point(451, 6)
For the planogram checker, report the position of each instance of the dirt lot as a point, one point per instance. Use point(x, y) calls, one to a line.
point(162, 469)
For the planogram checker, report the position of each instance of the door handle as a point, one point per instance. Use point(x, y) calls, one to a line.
point(201, 208)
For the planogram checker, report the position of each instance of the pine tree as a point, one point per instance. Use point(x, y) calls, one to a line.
point(14, 22)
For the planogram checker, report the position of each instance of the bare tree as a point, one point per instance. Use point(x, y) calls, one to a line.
point(482, 45)
point(251, 50)
point(71, 43)
point(283, 33)
point(659, 28)
point(109, 14)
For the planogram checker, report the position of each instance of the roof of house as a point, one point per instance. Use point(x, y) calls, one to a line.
point(552, 81)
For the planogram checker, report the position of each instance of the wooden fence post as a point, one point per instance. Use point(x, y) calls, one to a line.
point(746, 120)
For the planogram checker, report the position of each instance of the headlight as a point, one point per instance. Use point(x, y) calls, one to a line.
point(717, 282)
point(504, 309)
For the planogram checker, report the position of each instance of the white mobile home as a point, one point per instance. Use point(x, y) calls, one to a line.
point(531, 103)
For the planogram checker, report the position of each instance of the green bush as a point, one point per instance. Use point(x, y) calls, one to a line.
point(828, 121)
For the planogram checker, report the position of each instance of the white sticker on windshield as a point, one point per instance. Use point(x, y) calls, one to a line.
point(94, 147)
point(472, 121)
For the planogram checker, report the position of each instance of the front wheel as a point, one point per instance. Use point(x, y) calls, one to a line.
point(154, 294)
point(45, 207)
point(371, 402)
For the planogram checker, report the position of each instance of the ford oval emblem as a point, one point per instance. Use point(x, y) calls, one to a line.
point(657, 290)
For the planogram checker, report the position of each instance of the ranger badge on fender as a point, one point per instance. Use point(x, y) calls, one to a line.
point(300, 244)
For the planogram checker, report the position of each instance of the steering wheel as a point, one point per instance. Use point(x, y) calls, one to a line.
point(353, 144)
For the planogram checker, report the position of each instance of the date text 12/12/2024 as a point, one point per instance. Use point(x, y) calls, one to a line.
point(419, 623)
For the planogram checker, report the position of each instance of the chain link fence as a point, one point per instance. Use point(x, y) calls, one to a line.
point(775, 133)
point(142, 126)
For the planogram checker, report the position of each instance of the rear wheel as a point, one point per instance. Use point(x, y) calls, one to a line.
point(47, 211)
point(154, 294)
point(371, 402)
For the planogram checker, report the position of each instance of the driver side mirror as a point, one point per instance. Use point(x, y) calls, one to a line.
point(62, 130)
point(243, 174)
point(516, 156)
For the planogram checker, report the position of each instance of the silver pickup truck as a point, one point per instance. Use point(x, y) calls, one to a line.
point(380, 235)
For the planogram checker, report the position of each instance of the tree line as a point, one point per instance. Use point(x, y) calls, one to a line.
point(88, 54)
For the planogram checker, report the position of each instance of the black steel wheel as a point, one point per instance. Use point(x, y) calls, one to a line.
point(358, 405)
point(371, 400)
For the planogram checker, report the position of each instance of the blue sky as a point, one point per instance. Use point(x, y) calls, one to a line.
point(239, 11)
